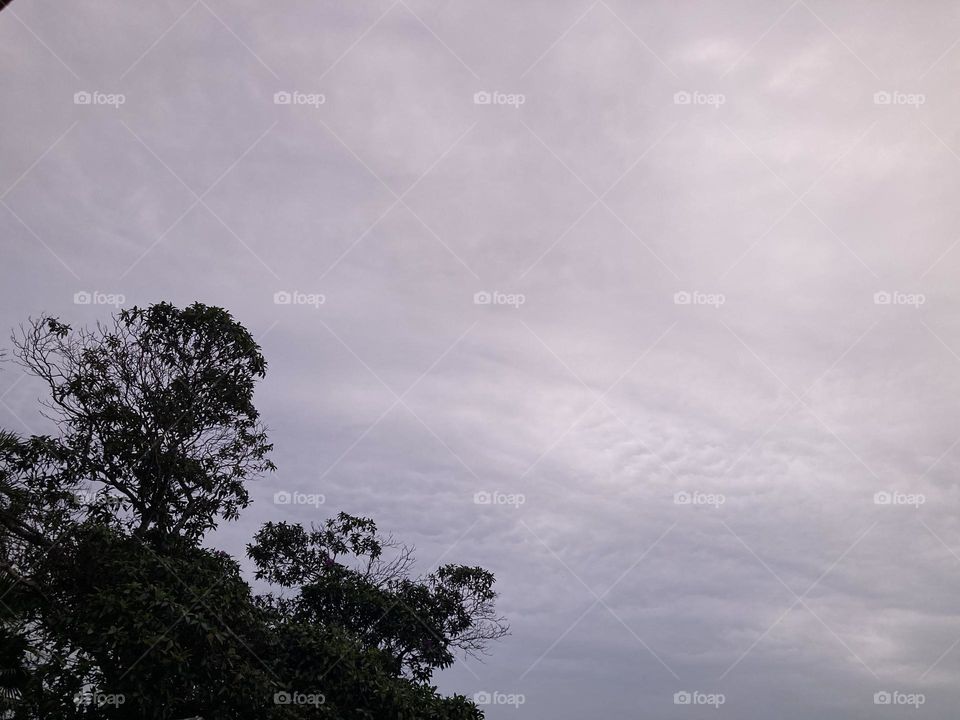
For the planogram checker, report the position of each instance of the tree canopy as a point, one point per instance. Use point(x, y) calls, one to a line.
point(111, 606)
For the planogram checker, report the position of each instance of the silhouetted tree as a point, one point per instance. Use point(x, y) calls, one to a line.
point(110, 607)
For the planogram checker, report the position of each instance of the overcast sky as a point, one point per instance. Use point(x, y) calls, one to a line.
point(716, 251)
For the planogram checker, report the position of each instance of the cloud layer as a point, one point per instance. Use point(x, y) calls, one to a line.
point(649, 308)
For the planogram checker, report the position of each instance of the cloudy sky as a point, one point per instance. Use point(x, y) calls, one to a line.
point(638, 304)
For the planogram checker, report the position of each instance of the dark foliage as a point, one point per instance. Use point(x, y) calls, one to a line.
point(111, 607)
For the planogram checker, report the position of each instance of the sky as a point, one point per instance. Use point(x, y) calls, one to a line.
point(648, 307)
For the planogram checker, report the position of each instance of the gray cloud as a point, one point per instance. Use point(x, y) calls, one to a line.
point(781, 199)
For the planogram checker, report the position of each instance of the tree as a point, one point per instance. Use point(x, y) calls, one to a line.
point(121, 612)
point(342, 577)
point(157, 410)
point(13, 645)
